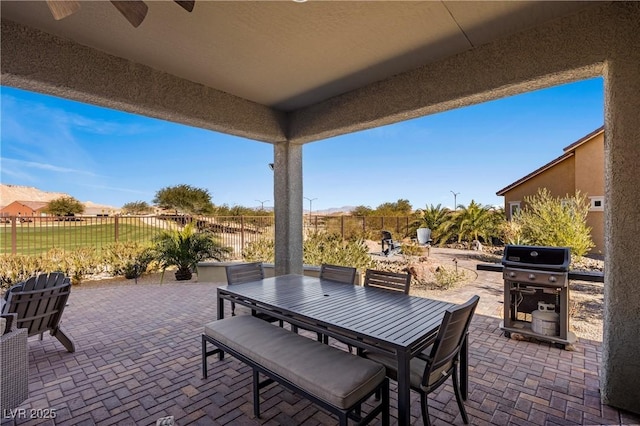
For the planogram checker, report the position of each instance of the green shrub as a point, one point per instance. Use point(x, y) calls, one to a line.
point(447, 278)
point(319, 248)
point(555, 222)
point(412, 249)
point(17, 268)
point(323, 247)
point(262, 250)
point(130, 258)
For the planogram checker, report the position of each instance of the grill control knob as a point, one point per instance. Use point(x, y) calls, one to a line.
point(512, 274)
point(532, 277)
point(553, 279)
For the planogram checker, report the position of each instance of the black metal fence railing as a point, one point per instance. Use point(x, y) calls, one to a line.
point(34, 235)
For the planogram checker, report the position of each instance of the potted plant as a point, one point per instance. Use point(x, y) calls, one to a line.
point(184, 248)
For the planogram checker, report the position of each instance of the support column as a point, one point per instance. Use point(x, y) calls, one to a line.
point(287, 194)
point(621, 343)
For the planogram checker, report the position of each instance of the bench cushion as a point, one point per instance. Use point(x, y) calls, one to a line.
point(330, 374)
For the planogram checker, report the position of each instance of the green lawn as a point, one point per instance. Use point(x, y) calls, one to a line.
point(71, 235)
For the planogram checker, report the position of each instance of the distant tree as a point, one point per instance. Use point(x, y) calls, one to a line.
point(137, 207)
point(225, 210)
point(184, 199)
point(64, 206)
point(399, 208)
point(362, 211)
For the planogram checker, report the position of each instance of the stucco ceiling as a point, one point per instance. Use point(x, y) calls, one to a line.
point(288, 55)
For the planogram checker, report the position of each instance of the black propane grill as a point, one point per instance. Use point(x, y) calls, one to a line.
point(532, 276)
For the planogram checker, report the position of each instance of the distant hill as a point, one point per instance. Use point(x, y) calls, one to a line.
point(11, 193)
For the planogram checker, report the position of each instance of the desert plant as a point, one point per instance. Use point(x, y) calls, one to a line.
point(185, 248)
point(262, 250)
point(447, 278)
point(552, 221)
point(130, 258)
point(432, 217)
point(323, 247)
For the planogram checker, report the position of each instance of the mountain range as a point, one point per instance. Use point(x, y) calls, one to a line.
point(10, 193)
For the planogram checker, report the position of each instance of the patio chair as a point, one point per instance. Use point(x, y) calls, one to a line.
point(339, 274)
point(431, 368)
point(244, 273)
point(39, 303)
point(393, 247)
point(385, 280)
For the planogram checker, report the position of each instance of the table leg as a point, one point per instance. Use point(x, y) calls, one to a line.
point(464, 367)
point(220, 316)
point(220, 307)
point(404, 389)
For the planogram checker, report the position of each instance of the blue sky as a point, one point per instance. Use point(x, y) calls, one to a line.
point(110, 157)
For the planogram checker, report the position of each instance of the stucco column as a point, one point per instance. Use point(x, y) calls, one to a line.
point(620, 381)
point(287, 194)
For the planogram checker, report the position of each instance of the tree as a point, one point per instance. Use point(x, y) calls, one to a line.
point(362, 211)
point(64, 206)
point(549, 221)
point(399, 208)
point(137, 207)
point(184, 199)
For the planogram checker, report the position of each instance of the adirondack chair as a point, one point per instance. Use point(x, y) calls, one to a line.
point(39, 303)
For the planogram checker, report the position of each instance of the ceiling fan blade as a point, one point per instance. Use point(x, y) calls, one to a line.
point(186, 4)
point(134, 10)
point(63, 8)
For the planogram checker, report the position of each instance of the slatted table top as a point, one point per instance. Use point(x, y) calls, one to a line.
point(394, 320)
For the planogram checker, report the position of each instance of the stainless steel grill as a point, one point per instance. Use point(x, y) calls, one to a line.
point(536, 293)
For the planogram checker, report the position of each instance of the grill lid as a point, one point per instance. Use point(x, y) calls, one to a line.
point(537, 257)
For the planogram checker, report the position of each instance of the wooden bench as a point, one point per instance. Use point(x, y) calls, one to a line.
point(333, 379)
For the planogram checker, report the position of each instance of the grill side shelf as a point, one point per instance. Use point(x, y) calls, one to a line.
point(597, 277)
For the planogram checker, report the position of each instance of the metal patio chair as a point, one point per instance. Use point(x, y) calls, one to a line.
point(339, 274)
point(244, 273)
point(385, 280)
point(431, 368)
point(39, 303)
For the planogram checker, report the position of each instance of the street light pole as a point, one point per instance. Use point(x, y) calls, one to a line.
point(455, 202)
point(310, 203)
point(262, 203)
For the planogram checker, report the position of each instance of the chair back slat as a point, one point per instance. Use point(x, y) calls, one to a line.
point(340, 274)
point(244, 272)
point(386, 280)
point(39, 310)
point(448, 343)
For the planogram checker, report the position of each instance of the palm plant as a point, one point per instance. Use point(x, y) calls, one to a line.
point(185, 248)
point(432, 217)
point(470, 223)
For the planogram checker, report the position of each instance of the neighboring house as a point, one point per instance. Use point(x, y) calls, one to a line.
point(24, 209)
point(580, 168)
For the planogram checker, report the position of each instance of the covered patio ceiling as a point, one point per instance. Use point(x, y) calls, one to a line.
point(288, 73)
point(269, 70)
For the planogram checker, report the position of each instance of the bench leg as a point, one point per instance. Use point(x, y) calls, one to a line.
point(206, 354)
point(256, 393)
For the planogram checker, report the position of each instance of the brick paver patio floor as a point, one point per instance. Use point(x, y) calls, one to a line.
point(138, 359)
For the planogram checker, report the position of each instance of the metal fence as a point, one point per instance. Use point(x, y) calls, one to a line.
point(34, 235)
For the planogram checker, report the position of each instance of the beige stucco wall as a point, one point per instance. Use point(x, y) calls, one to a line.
point(560, 180)
point(589, 158)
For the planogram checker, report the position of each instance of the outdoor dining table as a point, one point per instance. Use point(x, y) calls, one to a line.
point(365, 317)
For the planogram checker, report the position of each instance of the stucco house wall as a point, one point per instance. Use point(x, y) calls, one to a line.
point(24, 208)
point(579, 168)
